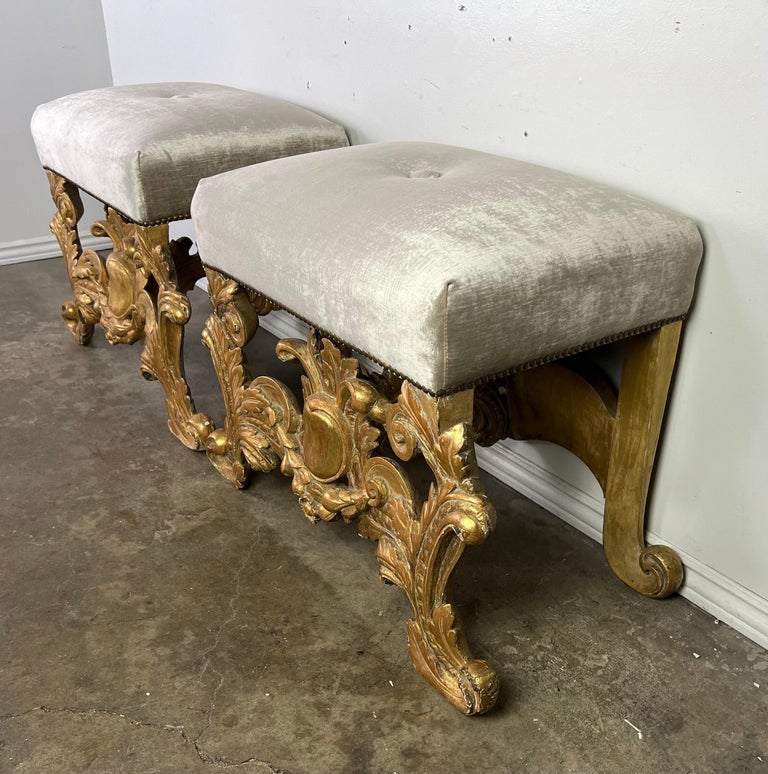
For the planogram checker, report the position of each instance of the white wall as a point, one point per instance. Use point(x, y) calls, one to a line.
point(665, 98)
point(50, 48)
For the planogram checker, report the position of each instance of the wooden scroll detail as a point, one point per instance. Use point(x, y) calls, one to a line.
point(136, 295)
point(330, 449)
point(85, 269)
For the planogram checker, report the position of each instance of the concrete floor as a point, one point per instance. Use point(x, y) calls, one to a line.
point(154, 619)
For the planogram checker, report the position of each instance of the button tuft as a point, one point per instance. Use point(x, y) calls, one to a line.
point(421, 173)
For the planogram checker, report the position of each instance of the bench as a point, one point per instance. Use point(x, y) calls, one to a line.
point(141, 150)
point(468, 277)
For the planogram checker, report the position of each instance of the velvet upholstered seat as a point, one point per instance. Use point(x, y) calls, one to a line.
point(142, 149)
point(448, 265)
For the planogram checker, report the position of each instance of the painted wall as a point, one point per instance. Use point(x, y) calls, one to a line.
point(50, 48)
point(665, 98)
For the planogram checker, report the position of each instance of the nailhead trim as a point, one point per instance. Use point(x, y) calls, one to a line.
point(526, 366)
point(146, 223)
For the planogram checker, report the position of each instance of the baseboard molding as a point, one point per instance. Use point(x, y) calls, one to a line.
point(706, 587)
point(40, 248)
point(284, 325)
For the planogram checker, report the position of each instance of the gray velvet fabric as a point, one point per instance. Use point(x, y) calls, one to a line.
point(142, 149)
point(447, 264)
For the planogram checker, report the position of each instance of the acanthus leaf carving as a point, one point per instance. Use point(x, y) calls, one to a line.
point(86, 276)
point(134, 295)
point(330, 450)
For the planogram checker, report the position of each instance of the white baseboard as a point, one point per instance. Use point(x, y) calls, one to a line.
point(40, 248)
point(706, 587)
point(284, 325)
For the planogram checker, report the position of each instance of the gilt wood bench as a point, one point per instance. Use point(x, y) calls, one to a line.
point(141, 150)
point(467, 277)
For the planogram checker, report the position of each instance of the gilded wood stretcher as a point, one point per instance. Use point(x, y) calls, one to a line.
point(138, 293)
point(342, 449)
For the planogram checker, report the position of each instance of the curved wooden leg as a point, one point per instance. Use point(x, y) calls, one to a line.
point(420, 546)
point(649, 360)
point(615, 435)
point(84, 268)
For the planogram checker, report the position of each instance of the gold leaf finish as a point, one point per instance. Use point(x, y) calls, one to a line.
point(135, 295)
point(86, 273)
point(615, 435)
point(649, 361)
point(420, 545)
point(166, 310)
point(330, 450)
point(231, 325)
point(121, 314)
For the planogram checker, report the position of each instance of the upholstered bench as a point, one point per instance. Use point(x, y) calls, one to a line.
point(141, 150)
point(468, 277)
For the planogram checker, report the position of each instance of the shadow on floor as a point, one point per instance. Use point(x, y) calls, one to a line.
point(154, 619)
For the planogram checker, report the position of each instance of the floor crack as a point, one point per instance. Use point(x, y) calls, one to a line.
point(205, 757)
point(206, 655)
point(212, 760)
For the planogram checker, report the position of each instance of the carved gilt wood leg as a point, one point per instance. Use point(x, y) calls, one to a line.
point(165, 310)
point(84, 268)
point(328, 448)
point(240, 446)
point(420, 544)
point(135, 295)
point(615, 435)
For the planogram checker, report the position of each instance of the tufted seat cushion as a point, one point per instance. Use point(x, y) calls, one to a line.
point(445, 264)
point(142, 149)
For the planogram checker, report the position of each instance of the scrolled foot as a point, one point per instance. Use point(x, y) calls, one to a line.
point(81, 330)
point(653, 571)
point(200, 427)
point(225, 455)
point(192, 431)
point(663, 570)
point(481, 687)
point(470, 685)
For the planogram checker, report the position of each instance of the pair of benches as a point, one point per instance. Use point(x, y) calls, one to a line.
point(468, 277)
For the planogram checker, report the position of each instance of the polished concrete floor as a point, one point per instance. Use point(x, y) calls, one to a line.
point(154, 619)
